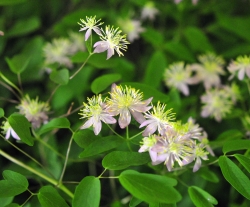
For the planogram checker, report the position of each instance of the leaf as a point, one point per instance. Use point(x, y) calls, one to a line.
point(149, 187)
point(245, 161)
point(24, 26)
point(1, 112)
point(55, 124)
point(234, 145)
point(119, 160)
point(101, 145)
point(11, 2)
point(200, 197)
point(49, 197)
point(12, 205)
point(18, 63)
point(88, 192)
point(21, 126)
point(156, 65)
point(197, 40)
point(60, 77)
point(209, 175)
point(85, 137)
point(233, 174)
point(102, 82)
point(6, 200)
point(134, 202)
point(153, 36)
point(13, 184)
point(148, 92)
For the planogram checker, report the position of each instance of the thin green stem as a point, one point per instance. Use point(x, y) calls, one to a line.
point(71, 77)
point(66, 159)
point(102, 173)
point(127, 132)
point(136, 135)
point(28, 199)
point(41, 175)
point(115, 132)
point(53, 92)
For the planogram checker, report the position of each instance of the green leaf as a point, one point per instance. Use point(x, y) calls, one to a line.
point(153, 36)
point(207, 174)
point(13, 184)
point(180, 51)
point(134, 202)
point(49, 197)
point(1, 112)
point(6, 200)
point(101, 145)
point(103, 82)
point(197, 40)
point(85, 137)
point(11, 2)
point(200, 197)
point(233, 174)
point(24, 26)
point(119, 160)
point(56, 123)
point(21, 126)
point(18, 63)
point(60, 77)
point(149, 187)
point(234, 145)
point(156, 65)
point(88, 192)
point(245, 161)
point(12, 205)
point(149, 92)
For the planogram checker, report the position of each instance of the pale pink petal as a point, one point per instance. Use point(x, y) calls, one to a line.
point(150, 129)
point(108, 119)
point(14, 134)
point(146, 123)
point(138, 116)
point(87, 124)
point(110, 53)
point(97, 30)
point(184, 89)
point(100, 46)
point(197, 164)
point(97, 127)
point(82, 29)
point(88, 33)
point(7, 136)
point(241, 74)
point(153, 155)
point(125, 118)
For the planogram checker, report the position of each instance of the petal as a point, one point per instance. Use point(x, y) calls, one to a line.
point(241, 74)
point(100, 46)
point(146, 122)
point(87, 124)
point(153, 155)
point(138, 116)
point(88, 33)
point(7, 136)
point(197, 164)
point(14, 134)
point(110, 53)
point(150, 129)
point(97, 127)
point(108, 119)
point(97, 30)
point(125, 118)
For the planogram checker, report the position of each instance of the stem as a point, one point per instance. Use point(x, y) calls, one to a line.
point(41, 175)
point(115, 132)
point(66, 160)
point(136, 135)
point(52, 94)
point(71, 77)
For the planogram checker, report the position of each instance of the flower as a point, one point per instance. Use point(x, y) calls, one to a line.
point(58, 52)
point(159, 118)
point(77, 42)
point(208, 70)
point(217, 103)
point(240, 65)
point(95, 112)
point(149, 11)
point(178, 76)
point(90, 24)
point(199, 153)
point(8, 131)
point(36, 112)
point(131, 27)
point(111, 40)
point(127, 101)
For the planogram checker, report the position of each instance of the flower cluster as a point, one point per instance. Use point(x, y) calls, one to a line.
point(111, 38)
point(166, 140)
point(60, 50)
point(177, 143)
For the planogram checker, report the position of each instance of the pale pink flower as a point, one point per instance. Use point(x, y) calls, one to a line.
point(96, 114)
point(241, 66)
point(126, 102)
point(149, 11)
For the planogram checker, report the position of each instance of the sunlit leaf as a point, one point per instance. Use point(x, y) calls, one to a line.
point(85, 137)
point(233, 174)
point(234, 145)
point(88, 192)
point(18, 63)
point(13, 184)
point(118, 160)
point(245, 161)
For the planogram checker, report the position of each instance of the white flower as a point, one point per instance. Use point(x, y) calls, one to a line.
point(8, 131)
point(217, 103)
point(209, 70)
point(77, 42)
point(149, 11)
point(241, 66)
point(127, 101)
point(36, 112)
point(178, 76)
point(111, 41)
point(132, 28)
point(159, 119)
point(96, 114)
point(90, 24)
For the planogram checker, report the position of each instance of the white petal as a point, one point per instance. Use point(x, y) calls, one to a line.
point(108, 119)
point(197, 164)
point(241, 74)
point(110, 53)
point(88, 33)
point(138, 116)
point(150, 129)
point(87, 124)
point(125, 118)
point(97, 127)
